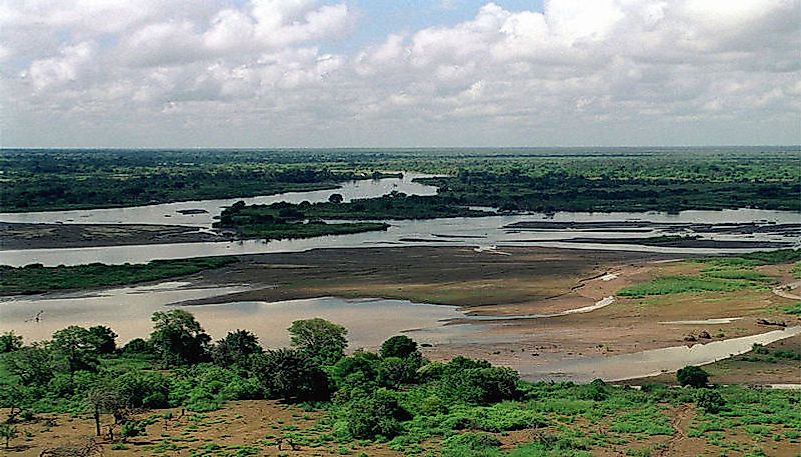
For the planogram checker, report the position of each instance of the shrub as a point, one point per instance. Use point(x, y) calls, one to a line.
point(711, 401)
point(480, 385)
point(290, 374)
point(137, 389)
point(470, 444)
point(692, 376)
point(376, 415)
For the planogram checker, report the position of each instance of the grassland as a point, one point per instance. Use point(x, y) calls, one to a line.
point(721, 274)
point(37, 278)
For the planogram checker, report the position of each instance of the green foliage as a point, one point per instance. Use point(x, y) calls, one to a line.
point(322, 341)
point(178, 338)
point(795, 308)
point(33, 364)
point(207, 387)
point(10, 342)
point(236, 349)
point(680, 284)
point(398, 346)
point(78, 346)
point(8, 432)
point(477, 382)
point(290, 374)
point(138, 347)
point(131, 429)
point(106, 339)
point(692, 376)
point(470, 444)
point(36, 278)
point(710, 401)
point(137, 389)
point(377, 415)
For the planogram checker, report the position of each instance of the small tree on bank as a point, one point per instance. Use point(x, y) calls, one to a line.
point(692, 376)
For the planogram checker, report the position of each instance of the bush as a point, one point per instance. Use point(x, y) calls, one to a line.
point(132, 428)
point(470, 444)
point(376, 415)
point(692, 376)
point(482, 384)
point(142, 390)
point(711, 401)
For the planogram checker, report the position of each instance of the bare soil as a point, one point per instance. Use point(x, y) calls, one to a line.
point(54, 236)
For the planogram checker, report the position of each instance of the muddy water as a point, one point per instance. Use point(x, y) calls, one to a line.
point(483, 232)
point(168, 213)
point(128, 310)
point(652, 362)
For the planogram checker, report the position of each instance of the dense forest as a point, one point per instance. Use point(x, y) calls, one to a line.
point(583, 179)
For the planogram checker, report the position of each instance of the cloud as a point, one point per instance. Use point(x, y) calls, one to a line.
point(575, 72)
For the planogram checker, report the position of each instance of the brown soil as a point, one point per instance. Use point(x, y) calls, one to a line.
point(529, 281)
point(47, 236)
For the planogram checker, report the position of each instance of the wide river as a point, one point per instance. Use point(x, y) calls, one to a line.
point(127, 309)
point(480, 232)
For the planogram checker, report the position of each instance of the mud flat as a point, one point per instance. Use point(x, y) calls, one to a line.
point(55, 236)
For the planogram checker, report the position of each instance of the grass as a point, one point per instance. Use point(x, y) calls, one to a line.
point(795, 309)
point(36, 278)
point(720, 274)
point(680, 284)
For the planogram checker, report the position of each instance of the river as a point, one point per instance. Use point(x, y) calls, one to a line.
point(477, 232)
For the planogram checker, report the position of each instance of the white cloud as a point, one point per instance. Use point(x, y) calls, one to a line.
point(557, 76)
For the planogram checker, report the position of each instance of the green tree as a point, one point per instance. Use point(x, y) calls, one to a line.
point(178, 338)
point(34, 365)
point(106, 338)
point(290, 374)
point(335, 198)
point(324, 342)
point(9, 342)
point(692, 376)
point(236, 349)
point(398, 346)
point(78, 346)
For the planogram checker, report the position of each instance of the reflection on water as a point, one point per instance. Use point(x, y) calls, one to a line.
point(168, 213)
point(470, 232)
point(127, 310)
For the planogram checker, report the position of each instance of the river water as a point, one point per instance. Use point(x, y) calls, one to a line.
point(128, 309)
point(477, 232)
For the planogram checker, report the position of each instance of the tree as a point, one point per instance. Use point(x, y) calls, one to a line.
point(101, 400)
point(336, 198)
point(9, 342)
point(34, 365)
point(236, 349)
point(290, 374)
point(711, 401)
point(692, 376)
point(138, 346)
point(8, 432)
point(79, 346)
point(398, 346)
point(106, 339)
point(178, 338)
point(324, 342)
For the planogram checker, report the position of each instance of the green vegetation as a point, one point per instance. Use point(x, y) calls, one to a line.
point(795, 308)
point(462, 407)
point(286, 220)
point(37, 278)
point(722, 274)
point(601, 179)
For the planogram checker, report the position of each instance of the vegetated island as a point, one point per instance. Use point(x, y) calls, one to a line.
point(179, 385)
point(36, 278)
point(303, 220)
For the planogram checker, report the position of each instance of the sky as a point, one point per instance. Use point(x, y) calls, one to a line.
point(394, 73)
